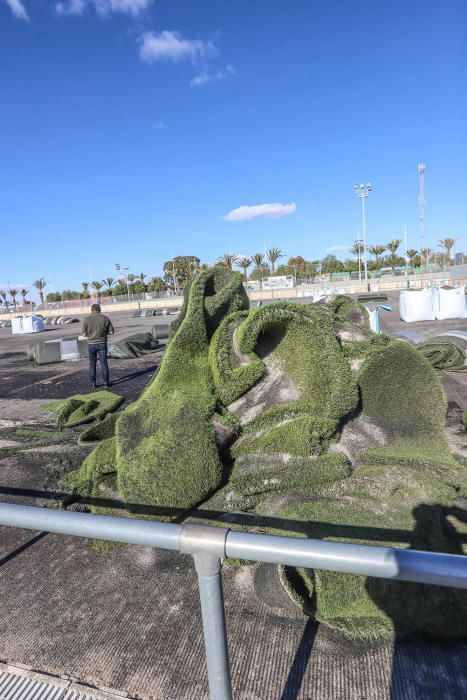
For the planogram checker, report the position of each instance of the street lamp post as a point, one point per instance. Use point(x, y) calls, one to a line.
point(359, 250)
point(362, 193)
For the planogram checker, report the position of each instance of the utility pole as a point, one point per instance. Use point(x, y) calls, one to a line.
point(405, 249)
point(362, 193)
point(421, 207)
point(359, 258)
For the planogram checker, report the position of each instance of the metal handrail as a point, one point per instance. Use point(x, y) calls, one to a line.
point(209, 545)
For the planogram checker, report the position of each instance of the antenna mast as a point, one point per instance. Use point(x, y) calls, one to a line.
point(421, 204)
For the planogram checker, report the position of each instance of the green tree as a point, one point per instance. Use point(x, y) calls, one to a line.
point(244, 263)
point(377, 251)
point(392, 247)
point(412, 254)
point(142, 277)
point(108, 282)
point(39, 284)
point(98, 286)
point(13, 293)
point(331, 264)
point(69, 294)
point(24, 293)
point(227, 260)
point(180, 270)
point(3, 296)
point(85, 293)
point(53, 297)
point(425, 253)
point(157, 284)
point(273, 255)
point(447, 244)
point(358, 249)
point(258, 259)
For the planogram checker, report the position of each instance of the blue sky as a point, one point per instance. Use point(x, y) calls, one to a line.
point(131, 128)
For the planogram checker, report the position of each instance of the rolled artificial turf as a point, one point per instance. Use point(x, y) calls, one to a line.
point(264, 404)
point(444, 353)
point(84, 408)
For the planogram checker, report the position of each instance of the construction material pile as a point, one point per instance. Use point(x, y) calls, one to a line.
point(299, 419)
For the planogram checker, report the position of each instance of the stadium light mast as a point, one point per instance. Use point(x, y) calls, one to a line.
point(362, 193)
point(421, 207)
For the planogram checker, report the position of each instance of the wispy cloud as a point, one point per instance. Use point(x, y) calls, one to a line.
point(339, 249)
point(18, 9)
point(253, 212)
point(215, 77)
point(103, 7)
point(171, 46)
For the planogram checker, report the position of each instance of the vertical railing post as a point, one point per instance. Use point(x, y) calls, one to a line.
point(207, 545)
point(211, 597)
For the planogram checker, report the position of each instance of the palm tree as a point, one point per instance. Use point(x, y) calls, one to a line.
point(23, 293)
point(392, 247)
point(448, 244)
point(227, 260)
point(425, 253)
point(273, 256)
point(258, 259)
point(201, 267)
point(108, 281)
point(411, 254)
point(40, 284)
point(142, 277)
point(98, 286)
point(3, 295)
point(245, 264)
point(377, 251)
point(13, 293)
point(357, 249)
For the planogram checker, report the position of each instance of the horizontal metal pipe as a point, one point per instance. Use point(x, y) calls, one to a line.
point(382, 562)
point(99, 527)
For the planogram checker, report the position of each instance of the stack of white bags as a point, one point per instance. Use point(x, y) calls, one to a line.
point(430, 304)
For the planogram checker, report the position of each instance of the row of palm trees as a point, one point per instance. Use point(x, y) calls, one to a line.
point(13, 294)
point(447, 244)
point(258, 259)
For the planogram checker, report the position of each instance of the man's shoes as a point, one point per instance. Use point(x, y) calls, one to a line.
point(108, 384)
point(94, 386)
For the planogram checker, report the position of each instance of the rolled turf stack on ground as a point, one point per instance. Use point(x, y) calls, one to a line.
point(257, 414)
point(446, 352)
point(84, 408)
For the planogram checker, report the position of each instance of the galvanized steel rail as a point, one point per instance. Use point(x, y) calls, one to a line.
point(210, 545)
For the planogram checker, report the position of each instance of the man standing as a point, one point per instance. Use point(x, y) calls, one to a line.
point(96, 328)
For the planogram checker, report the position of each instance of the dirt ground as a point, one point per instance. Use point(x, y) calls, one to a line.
point(129, 619)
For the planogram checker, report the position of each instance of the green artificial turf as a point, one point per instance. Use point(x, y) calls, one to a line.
point(84, 408)
point(443, 353)
point(286, 466)
point(384, 506)
point(165, 451)
point(349, 314)
point(401, 393)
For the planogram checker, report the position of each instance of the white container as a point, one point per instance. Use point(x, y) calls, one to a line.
point(17, 325)
point(449, 302)
point(27, 324)
point(416, 305)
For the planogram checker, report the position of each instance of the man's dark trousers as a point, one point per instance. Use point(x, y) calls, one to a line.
point(95, 349)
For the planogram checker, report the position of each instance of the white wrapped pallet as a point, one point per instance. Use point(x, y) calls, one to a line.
point(449, 302)
point(33, 324)
point(416, 305)
point(17, 325)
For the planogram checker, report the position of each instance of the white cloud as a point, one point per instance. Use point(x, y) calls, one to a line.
point(205, 78)
point(339, 249)
point(171, 46)
point(103, 7)
point(253, 212)
point(18, 9)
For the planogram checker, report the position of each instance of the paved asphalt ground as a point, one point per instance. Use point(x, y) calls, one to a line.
point(129, 619)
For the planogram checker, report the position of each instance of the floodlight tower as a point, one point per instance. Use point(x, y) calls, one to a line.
point(421, 206)
point(362, 193)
